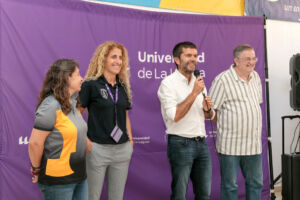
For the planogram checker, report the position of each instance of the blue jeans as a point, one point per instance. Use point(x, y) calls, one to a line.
point(251, 167)
point(74, 191)
point(189, 158)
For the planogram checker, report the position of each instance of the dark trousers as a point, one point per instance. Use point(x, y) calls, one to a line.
point(189, 158)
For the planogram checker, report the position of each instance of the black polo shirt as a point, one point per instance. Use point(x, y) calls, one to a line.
point(101, 118)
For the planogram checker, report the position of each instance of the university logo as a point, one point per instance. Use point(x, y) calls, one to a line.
point(103, 93)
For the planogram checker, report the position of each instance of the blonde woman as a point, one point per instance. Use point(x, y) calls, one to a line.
point(106, 94)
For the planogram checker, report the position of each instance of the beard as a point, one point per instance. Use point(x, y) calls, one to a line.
point(185, 68)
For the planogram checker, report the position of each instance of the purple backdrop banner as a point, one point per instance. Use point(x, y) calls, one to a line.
point(34, 33)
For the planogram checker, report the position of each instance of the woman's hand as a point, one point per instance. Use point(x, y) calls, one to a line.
point(131, 142)
point(89, 146)
point(35, 174)
point(35, 178)
point(35, 149)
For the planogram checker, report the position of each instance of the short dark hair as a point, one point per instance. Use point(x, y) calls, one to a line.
point(177, 50)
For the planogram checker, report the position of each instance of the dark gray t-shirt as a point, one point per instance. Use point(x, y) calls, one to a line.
point(63, 160)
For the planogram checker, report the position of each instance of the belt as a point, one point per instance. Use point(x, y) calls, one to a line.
point(197, 139)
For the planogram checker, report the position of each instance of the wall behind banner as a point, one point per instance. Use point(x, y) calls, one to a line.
point(31, 41)
point(282, 43)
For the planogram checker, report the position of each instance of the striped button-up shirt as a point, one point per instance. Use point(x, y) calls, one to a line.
point(239, 119)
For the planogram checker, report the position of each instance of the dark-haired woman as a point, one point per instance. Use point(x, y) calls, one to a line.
point(57, 145)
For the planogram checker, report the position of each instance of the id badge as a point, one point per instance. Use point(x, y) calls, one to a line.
point(116, 134)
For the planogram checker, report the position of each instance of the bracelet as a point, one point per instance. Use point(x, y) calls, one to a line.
point(34, 168)
point(213, 115)
point(207, 111)
point(35, 172)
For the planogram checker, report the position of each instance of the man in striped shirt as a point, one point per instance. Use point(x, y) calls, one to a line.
point(237, 95)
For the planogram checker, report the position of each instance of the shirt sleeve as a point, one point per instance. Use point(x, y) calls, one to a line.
point(167, 99)
point(84, 94)
point(45, 116)
point(259, 89)
point(217, 93)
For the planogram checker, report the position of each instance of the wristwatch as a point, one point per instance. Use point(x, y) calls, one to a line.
point(207, 111)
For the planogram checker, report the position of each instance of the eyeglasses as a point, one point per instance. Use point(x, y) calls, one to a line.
point(255, 59)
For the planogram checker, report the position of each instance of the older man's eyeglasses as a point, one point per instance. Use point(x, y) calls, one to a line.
point(255, 59)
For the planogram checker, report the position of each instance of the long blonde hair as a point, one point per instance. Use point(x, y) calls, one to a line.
point(97, 63)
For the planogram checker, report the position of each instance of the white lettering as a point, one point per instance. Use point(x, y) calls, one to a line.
point(201, 58)
point(148, 74)
point(202, 73)
point(296, 9)
point(142, 140)
point(25, 141)
point(168, 59)
point(156, 74)
point(164, 74)
point(161, 58)
point(139, 57)
point(149, 58)
point(154, 58)
point(288, 7)
point(143, 73)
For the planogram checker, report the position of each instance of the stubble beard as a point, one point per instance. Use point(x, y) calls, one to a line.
point(185, 68)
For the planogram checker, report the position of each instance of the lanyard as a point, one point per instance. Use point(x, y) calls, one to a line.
point(112, 98)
